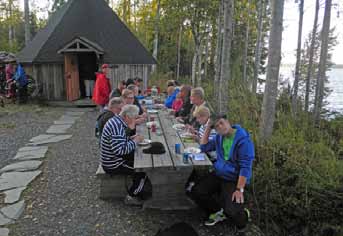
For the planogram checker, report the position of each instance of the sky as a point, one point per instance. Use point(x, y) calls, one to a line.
point(291, 15)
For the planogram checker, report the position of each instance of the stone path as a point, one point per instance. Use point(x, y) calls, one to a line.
point(16, 177)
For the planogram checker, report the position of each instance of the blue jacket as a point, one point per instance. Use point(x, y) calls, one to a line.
point(170, 99)
point(241, 155)
point(20, 76)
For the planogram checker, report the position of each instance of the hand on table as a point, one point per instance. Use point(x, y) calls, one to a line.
point(137, 138)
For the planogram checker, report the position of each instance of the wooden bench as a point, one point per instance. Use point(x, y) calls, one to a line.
point(167, 172)
point(111, 187)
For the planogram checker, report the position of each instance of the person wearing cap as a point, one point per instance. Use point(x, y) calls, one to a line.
point(102, 88)
point(232, 172)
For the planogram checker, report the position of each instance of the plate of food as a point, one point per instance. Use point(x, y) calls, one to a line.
point(179, 127)
point(186, 135)
point(159, 106)
point(145, 142)
point(152, 111)
point(193, 150)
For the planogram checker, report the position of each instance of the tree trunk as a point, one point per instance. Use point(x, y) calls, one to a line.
point(218, 58)
point(200, 60)
point(157, 22)
point(179, 53)
point(207, 41)
point(274, 58)
point(27, 22)
point(310, 63)
point(258, 49)
point(194, 64)
point(245, 55)
point(297, 65)
point(226, 53)
point(10, 25)
point(322, 62)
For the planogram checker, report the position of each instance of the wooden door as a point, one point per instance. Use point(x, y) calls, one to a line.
point(72, 76)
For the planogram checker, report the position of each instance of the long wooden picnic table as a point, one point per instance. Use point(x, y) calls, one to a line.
point(167, 172)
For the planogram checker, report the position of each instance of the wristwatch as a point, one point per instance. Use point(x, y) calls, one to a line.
point(240, 189)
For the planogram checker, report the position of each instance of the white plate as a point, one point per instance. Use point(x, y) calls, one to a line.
point(145, 142)
point(152, 111)
point(179, 126)
point(186, 135)
point(193, 150)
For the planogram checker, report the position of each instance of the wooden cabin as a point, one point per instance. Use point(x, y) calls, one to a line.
point(77, 39)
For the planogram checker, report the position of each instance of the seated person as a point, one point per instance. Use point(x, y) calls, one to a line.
point(134, 89)
point(129, 98)
point(117, 151)
point(171, 96)
point(186, 108)
point(198, 100)
point(113, 108)
point(177, 104)
point(117, 91)
point(232, 172)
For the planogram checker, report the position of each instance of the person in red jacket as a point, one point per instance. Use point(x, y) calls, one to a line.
point(102, 88)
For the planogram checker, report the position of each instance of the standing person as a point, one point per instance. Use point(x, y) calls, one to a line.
point(117, 91)
point(9, 79)
point(117, 152)
point(232, 172)
point(2, 80)
point(102, 88)
point(21, 81)
point(114, 108)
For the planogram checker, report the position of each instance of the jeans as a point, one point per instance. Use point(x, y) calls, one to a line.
point(204, 192)
point(89, 84)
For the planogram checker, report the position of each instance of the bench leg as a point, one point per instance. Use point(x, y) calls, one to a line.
point(168, 190)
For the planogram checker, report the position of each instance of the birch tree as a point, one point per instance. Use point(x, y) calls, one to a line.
point(157, 21)
point(258, 48)
point(297, 65)
point(274, 58)
point(27, 22)
point(225, 75)
point(318, 102)
point(310, 64)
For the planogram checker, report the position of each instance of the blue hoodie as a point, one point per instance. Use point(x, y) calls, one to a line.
point(240, 158)
point(170, 99)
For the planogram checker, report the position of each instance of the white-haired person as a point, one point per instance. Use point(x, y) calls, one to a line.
point(117, 151)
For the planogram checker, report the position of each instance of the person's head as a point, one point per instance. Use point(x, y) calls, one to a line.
point(128, 96)
point(104, 68)
point(122, 85)
point(129, 81)
point(170, 83)
point(115, 105)
point(197, 96)
point(129, 113)
point(170, 90)
point(138, 81)
point(134, 89)
point(221, 124)
point(202, 114)
point(185, 91)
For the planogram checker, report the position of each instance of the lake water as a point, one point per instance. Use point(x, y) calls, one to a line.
point(335, 99)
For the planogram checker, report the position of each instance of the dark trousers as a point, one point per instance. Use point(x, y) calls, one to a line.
point(141, 185)
point(204, 194)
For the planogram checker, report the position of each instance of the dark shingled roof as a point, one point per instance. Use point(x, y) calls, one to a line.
point(90, 19)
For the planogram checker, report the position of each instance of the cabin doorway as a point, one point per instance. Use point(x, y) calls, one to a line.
point(87, 66)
